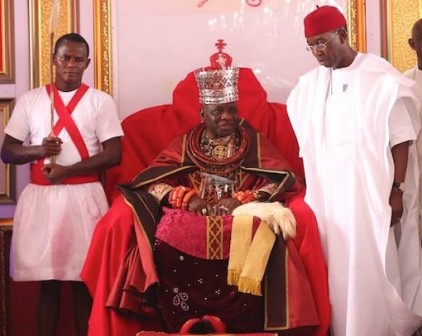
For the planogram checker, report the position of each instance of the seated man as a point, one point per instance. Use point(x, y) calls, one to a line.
point(181, 207)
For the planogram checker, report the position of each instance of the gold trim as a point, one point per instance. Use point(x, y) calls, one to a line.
point(39, 31)
point(357, 24)
point(7, 181)
point(102, 46)
point(397, 19)
point(7, 73)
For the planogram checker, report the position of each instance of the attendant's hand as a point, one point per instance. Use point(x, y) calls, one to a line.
point(50, 146)
point(396, 203)
point(200, 206)
point(54, 172)
point(226, 206)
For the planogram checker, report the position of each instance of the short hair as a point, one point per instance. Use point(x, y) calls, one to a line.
point(73, 37)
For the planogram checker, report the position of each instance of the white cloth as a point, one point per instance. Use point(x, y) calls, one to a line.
point(53, 225)
point(345, 136)
point(416, 75)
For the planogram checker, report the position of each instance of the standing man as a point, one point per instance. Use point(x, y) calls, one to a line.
point(355, 117)
point(415, 74)
point(415, 43)
point(57, 211)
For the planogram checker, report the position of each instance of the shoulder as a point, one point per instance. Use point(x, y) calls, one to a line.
point(409, 73)
point(379, 69)
point(375, 64)
point(33, 96)
point(35, 92)
point(98, 93)
point(312, 73)
point(101, 100)
point(313, 77)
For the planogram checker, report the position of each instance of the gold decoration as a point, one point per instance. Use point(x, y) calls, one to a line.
point(220, 152)
point(102, 46)
point(398, 17)
point(7, 56)
point(357, 24)
point(7, 171)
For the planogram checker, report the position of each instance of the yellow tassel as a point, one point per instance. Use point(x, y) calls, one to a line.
point(250, 286)
point(233, 277)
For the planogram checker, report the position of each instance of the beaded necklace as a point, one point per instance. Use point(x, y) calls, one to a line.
point(218, 160)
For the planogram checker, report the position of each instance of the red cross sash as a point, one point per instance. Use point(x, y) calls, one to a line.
point(65, 121)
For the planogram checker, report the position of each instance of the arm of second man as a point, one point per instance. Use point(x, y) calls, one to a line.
point(400, 153)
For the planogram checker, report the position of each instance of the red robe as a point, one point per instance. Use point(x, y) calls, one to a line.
point(261, 164)
point(115, 233)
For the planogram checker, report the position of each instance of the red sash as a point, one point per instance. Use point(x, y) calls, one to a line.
point(65, 121)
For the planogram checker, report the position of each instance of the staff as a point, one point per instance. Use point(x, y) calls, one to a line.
point(54, 22)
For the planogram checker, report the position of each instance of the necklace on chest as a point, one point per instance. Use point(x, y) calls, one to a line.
point(218, 149)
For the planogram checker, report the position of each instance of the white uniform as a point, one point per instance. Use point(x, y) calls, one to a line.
point(53, 224)
point(346, 121)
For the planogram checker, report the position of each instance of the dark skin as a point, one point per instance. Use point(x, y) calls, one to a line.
point(415, 41)
point(70, 63)
point(220, 120)
point(338, 54)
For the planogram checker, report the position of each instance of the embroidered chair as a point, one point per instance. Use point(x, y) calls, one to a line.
point(146, 133)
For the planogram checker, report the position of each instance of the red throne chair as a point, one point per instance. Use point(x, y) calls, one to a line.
point(146, 133)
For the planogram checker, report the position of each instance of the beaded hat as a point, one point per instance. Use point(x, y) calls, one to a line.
point(323, 20)
point(217, 86)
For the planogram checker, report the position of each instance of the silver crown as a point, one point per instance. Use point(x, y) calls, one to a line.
point(217, 86)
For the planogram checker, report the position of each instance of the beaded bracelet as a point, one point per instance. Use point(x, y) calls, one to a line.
point(180, 196)
point(176, 195)
point(245, 196)
point(187, 198)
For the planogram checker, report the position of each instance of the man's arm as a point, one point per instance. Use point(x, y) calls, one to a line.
point(108, 157)
point(13, 151)
point(400, 153)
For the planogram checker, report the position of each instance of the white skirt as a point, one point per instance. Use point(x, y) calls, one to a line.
point(52, 230)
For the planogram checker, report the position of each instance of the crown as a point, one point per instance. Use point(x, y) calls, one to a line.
point(217, 86)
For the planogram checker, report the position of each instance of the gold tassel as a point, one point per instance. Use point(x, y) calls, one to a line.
point(233, 277)
point(251, 286)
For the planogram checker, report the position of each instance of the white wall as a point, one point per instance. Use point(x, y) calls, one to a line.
point(158, 42)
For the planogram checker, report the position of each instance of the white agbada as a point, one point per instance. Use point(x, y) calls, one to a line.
point(346, 122)
point(416, 75)
point(53, 225)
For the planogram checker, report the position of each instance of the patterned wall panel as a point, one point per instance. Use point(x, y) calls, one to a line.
point(398, 19)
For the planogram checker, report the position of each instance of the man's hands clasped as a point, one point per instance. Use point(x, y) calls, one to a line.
point(52, 146)
point(223, 207)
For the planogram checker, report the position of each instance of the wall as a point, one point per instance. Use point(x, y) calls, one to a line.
point(158, 42)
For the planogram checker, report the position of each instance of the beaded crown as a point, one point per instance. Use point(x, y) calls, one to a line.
point(217, 86)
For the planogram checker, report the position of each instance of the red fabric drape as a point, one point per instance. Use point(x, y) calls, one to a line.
point(146, 133)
